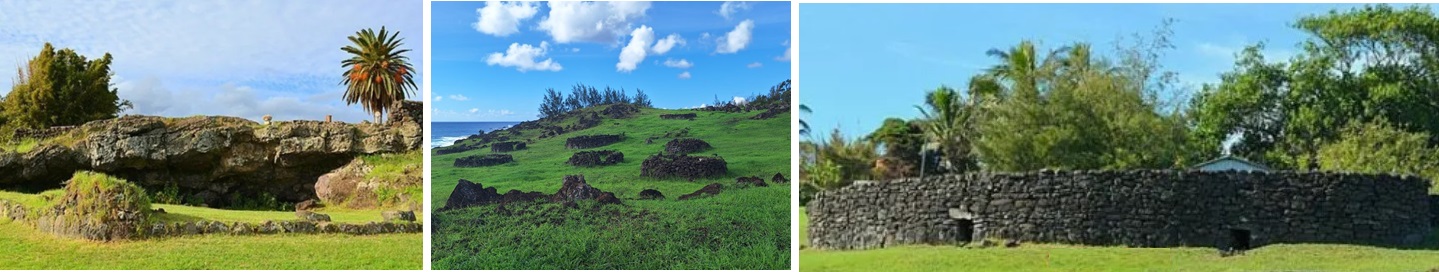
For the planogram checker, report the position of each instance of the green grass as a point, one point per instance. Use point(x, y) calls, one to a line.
point(738, 229)
point(22, 147)
point(1049, 257)
point(182, 213)
point(26, 248)
point(391, 171)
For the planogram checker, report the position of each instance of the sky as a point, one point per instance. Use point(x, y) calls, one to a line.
point(225, 57)
point(854, 81)
point(494, 60)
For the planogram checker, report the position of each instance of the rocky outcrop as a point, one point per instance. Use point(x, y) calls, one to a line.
point(348, 186)
point(751, 181)
point(207, 157)
point(468, 193)
point(96, 207)
point(507, 146)
point(575, 188)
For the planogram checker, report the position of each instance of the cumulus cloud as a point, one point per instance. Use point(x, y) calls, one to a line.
point(736, 39)
point(524, 57)
point(788, 49)
point(669, 42)
point(680, 63)
point(598, 22)
point(739, 100)
point(685, 75)
point(754, 65)
point(729, 8)
point(459, 97)
point(438, 98)
point(474, 110)
point(150, 96)
point(501, 18)
point(638, 48)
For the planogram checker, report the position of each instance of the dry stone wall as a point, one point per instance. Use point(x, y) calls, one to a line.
point(1143, 208)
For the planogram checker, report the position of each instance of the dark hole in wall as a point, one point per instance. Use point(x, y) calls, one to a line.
point(1240, 239)
point(965, 230)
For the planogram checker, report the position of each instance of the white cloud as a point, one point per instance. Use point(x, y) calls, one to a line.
point(501, 112)
point(635, 52)
point(739, 100)
point(685, 75)
point(669, 42)
point(193, 47)
point(501, 19)
point(458, 97)
point(754, 65)
point(437, 98)
point(680, 63)
point(474, 110)
point(788, 49)
point(598, 22)
point(523, 57)
point(729, 8)
point(736, 39)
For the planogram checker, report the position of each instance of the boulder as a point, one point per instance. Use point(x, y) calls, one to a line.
point(309, 204)
point(398, 216)
point(779, 178)
point(575, 189)
point(752, 181)
point(607, 198)
point(468, 194)
point(651, 194)
point(347, 185)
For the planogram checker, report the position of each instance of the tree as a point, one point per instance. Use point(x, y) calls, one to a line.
point(641, 99)
point(947, 120)
point(378, 74)
point(902, 142)
point(62, 88)
point(575, 101)
point(804, 126)
point(1381, 149)
point(553, 105)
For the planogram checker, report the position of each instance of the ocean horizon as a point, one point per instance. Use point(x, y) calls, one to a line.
point(447, 133)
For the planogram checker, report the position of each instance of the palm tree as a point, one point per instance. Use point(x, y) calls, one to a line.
point(949, 125)
point(804, 126)
point(379, 74)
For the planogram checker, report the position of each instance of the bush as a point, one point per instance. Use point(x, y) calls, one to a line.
point(1381, 149)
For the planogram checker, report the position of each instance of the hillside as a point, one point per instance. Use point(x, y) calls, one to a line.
point(743, 227)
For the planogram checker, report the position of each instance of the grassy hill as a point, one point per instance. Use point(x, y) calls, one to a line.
point(1049, 257)
point(741, 228)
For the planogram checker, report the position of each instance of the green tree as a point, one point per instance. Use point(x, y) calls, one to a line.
point(947, 124)
point(901, 141)
point(1381, 149)
point(62, 88)
point(378, 74)
point(804, 126)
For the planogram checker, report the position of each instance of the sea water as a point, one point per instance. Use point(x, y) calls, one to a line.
point(447, 133)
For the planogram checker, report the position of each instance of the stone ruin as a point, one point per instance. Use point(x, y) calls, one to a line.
point(96, 210)
point(507, 146)
point(596, 158)
point(451, 149)
point(407, 111)
point(687, 116)
point(469, 194)
point(686, 146)
point(586, 120)
point(484, 160)
point(620, 111)
point(1138, 208)
point(772, 111)
point(593, 141)
point(684, 166)
point(42, 133)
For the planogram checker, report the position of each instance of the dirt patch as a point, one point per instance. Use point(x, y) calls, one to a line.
point(686, 146)
point(685, 166)
point(507, 146)
point(593, 141)
point(484, 160)
point(596, 158)
point(708, 190)
point(687, 116)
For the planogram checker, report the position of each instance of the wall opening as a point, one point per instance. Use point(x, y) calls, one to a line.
point(965, 230)
point(1240, 239)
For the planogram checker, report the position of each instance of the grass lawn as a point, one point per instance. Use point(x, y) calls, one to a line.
point(1045, 257)
point(27, 248)
point(738, 229)
point(24, 247)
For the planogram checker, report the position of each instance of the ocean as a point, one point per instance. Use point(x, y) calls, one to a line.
point(446, 133)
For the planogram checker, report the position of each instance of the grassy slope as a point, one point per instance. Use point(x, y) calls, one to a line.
point(739, 229)
point(1301, 257)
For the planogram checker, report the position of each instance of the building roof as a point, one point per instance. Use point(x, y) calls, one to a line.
point(1234, 159)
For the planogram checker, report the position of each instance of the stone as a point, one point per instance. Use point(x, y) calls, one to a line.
point(310, 204)
point(751, 181)
point(468, 194)
point(408, 216)
point(575, 189)
point(708, 190)
point(779, 178)
point(651, 194)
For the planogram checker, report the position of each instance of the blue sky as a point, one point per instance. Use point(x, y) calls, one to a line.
point(494, 60)
point(865, 62)
point(225, 57)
